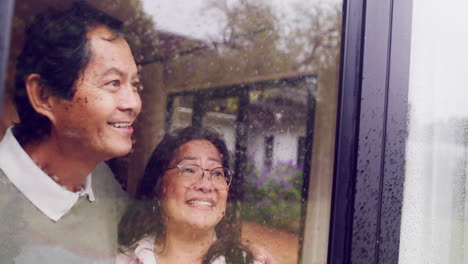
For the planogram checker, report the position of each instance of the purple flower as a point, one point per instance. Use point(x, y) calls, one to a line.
point(286, 185)
point(260, 181)
point(282, 176)
point(251, 176)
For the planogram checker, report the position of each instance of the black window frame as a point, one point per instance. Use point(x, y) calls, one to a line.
point(371, 128)
point(371, 132)
point(301, 150)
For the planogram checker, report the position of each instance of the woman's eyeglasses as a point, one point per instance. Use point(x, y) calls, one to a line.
point(190, 174)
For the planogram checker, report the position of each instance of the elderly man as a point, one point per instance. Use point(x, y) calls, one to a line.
point(77, 97)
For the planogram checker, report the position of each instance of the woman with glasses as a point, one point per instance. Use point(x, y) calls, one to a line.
point(186, 211)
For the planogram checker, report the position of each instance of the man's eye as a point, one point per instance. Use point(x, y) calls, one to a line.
point(115, 83)
point(137, 86)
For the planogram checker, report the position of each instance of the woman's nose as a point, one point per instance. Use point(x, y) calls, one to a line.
point(204, 184)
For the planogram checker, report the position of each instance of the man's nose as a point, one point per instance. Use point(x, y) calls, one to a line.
point(130, 100)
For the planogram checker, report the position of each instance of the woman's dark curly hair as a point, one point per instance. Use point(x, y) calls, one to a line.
point(144, 217)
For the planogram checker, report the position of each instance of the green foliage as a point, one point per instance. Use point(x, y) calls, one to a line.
point(273, 196)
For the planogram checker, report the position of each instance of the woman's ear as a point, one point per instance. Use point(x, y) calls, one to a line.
point(39, 96)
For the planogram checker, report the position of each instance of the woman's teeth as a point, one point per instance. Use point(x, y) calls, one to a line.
point(200, 203)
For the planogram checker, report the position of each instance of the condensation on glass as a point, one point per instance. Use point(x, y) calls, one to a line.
point(434, 225)
point(264, 74)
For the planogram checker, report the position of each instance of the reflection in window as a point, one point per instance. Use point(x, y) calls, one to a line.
point(261, 121)
point(180, 108)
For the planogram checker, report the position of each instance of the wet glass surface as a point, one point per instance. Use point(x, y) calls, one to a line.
point(264, 74)
point(434, 225)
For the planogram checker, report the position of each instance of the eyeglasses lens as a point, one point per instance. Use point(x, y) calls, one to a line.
point(191, 174)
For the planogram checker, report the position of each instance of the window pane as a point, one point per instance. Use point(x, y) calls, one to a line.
point(265, 74)
point(262, 73)
point(434, 225)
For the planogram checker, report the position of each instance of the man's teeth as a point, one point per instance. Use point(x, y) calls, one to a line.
point(118, 125)
point(200, 203)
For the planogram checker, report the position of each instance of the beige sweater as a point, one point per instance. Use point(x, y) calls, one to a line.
point(85, 234)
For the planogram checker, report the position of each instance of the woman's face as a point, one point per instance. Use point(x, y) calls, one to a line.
point(200, 206)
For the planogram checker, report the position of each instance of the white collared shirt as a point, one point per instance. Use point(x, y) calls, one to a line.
point(49, 197)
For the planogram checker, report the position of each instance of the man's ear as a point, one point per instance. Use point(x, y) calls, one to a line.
point(39, 96)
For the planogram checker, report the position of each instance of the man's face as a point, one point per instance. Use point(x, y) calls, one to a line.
point(97, 122)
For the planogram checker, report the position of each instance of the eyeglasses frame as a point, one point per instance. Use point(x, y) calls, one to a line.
point(179, 166)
